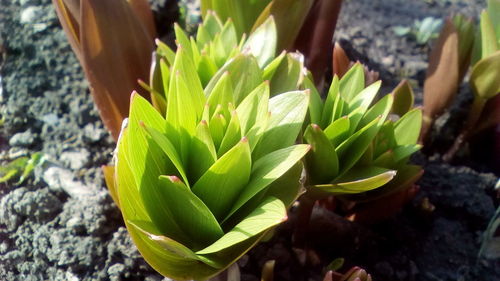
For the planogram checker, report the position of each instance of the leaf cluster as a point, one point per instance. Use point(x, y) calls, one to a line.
point(359, 147)
point(459, 45)
point(201, 176)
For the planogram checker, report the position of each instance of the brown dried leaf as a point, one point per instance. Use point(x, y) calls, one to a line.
point(109, 178)
point(316, 34)
point(68, 12)
point(116, 51)
point(442, 77)
point(341, 62)
point(145, 15)
point(289, 15)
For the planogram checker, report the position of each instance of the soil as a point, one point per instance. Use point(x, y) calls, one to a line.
point(61, 223)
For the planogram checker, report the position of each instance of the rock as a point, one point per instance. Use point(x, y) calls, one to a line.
point(61, 179)
point(75, 160)
point(115, 271)
point(40, 205)
point(92, 133)
point(8, 216)
point(23, 139)
point(31, 14)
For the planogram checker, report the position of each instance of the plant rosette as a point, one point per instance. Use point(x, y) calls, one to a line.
point(359, 150)
point(203, 177)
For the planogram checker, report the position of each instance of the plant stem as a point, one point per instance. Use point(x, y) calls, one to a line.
point(306, 204)
point(474, 114)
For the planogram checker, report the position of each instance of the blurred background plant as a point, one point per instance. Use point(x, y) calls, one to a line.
point(459, 43)
point(303, 25)
point(20, 168)
point(422, 31)
point(113, 41)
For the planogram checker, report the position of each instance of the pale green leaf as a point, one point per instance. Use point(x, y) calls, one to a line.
point(222, 94)
point(271, 68)
point(288, 75)
point(147, 162)
point(168, 148)
point(322, 162)
point(191, 214)
point(485, 75)
point(262, 42)
point(407, 128)
point(352, 82)
point(232, 135)
point(353, 148)
point(358, 180)
point(329, 112)
point(338, 131)
point(225, 179)
point(268, 169)
point(270, 213)
point(288, 111)
point(253, 107)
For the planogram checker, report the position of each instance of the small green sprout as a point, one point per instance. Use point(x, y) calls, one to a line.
point(422, 30)
point(20, 168)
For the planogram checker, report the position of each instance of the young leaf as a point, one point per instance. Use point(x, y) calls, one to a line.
point(403, 98)
point(315, 103)
point(164, 143)
point(232, 135)
point(217, 127)
point(365, 97)
point(268, 169)
point(322, 162)
point(338, 131)
point(225, 179)
point(271, 68)
point(329, 111)
point(289, 74)
point(353, 148)
point(147, 162)
point(222, 94)
point(485, 75)
point(184, 66)
point(488, 36)
point(380, 109)
point(270, 213)
point(199, 223)
point(262, 42)
point(407, 129)
point(202, 152)
point(289, 15)
point(253, 107)
point(401, 153)
point(245, 75)
point(358, 180)
point(288, 111)
point(352, 82)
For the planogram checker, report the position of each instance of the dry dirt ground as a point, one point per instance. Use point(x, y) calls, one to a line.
point(61, 224)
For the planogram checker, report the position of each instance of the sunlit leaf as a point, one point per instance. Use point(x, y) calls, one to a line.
point(322, 162)
point(225, 179)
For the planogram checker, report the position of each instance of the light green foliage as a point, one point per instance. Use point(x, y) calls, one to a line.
point(355, 146)
point(20, 168)
point(422, 30)
point(486, 55)
point(207, 171)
